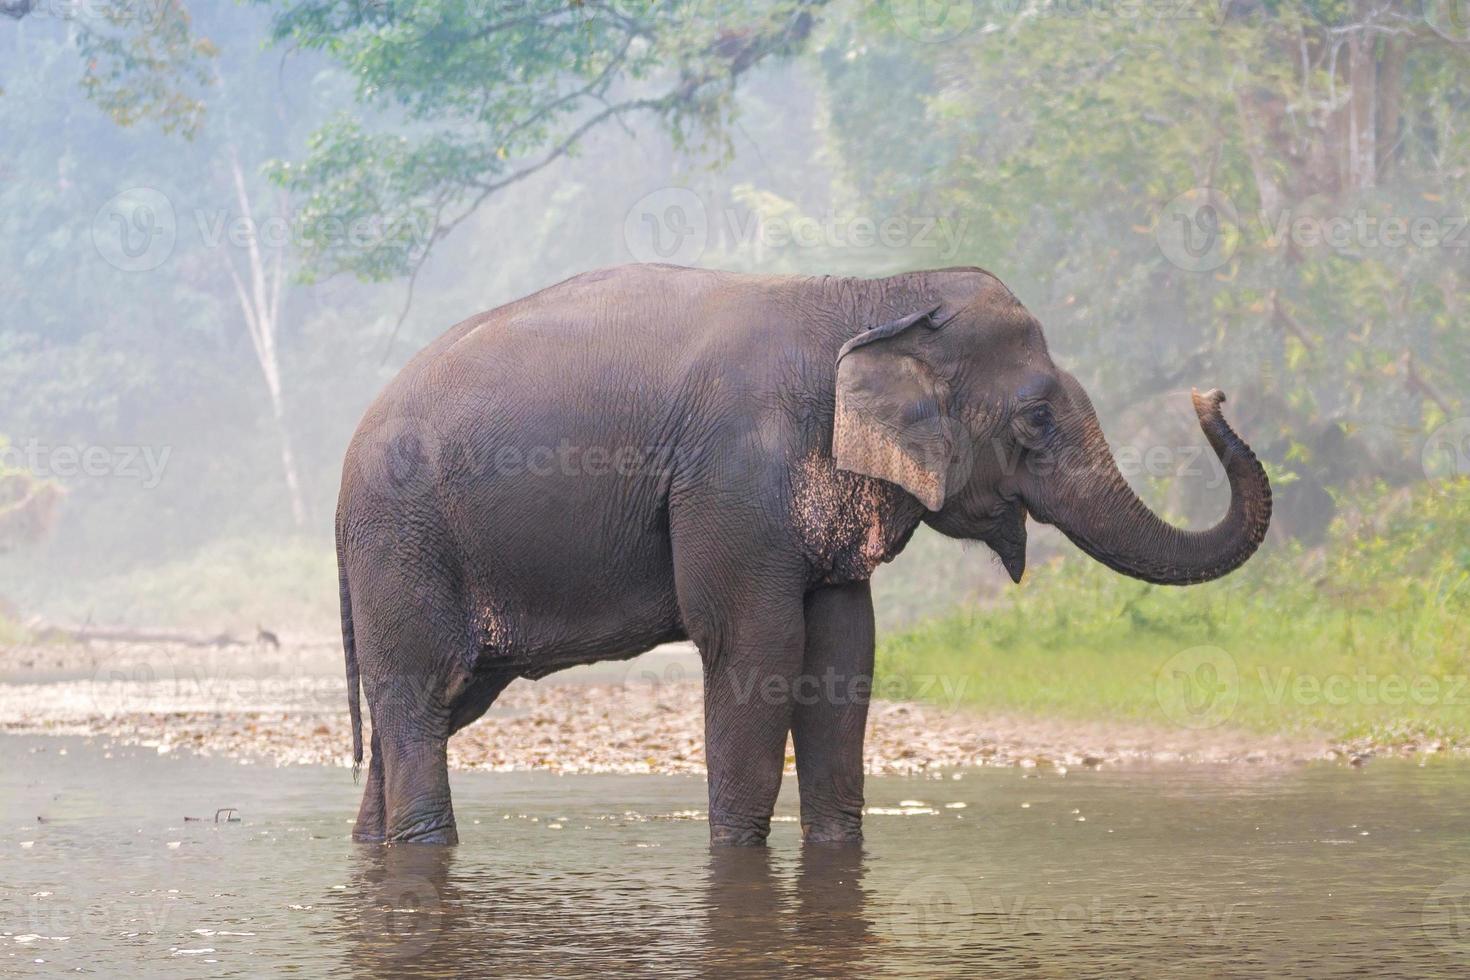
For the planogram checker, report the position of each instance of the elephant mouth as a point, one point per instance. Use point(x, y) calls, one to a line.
point(1006, 536)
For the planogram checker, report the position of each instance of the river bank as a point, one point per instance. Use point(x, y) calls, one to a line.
point(288, 707)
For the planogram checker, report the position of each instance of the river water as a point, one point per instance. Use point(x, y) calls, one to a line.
point(1230, 871)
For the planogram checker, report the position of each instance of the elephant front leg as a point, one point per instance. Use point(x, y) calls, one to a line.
point(750, 674)
point(831, 712)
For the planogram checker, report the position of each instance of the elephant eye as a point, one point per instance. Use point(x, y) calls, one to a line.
point(1039, 417)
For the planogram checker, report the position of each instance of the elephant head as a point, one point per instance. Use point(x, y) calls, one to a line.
point(960, 404)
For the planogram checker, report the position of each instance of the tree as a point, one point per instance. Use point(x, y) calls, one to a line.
point(28, 505)
point(141, 61)
point(470, 100)
point(1200, 192)
point(260, 304)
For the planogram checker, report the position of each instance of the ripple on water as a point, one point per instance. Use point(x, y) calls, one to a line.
point(1308, 871)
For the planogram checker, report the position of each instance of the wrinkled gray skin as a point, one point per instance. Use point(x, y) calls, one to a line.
point(649, 453)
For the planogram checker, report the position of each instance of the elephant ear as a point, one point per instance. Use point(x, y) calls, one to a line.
point(890, 419)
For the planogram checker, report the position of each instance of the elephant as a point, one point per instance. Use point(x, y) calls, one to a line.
point(651, 453)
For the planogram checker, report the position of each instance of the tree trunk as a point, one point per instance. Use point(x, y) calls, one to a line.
point(1390, 103)
point(1362, 107)
point(261, 305)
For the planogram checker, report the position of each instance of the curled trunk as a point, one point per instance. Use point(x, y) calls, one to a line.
point(1094, 506)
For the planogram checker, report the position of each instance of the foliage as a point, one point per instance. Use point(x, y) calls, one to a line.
point(1080, 144)
point(470, 99)
point(27, 504)
point(1382, 605)
point(285, 584)
point(144, 62)
point(141, 61)
point(1053, 134)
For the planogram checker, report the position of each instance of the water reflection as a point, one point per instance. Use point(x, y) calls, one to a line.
point(1306, 872)
point(402, 904)
point(759, 920)
point(424, 911)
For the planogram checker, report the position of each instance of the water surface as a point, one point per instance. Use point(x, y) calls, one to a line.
point(1303, 871)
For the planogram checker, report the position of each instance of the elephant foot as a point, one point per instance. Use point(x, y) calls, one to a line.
point(370, 820)
point(426, 832)
point(739, 831)
point(831, 833)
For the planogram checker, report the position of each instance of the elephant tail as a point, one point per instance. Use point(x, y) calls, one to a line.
point(349, 646)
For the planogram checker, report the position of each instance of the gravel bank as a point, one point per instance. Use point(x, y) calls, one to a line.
point(288, 707)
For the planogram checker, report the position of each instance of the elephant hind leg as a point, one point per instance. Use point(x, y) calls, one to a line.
point(416, 790)
point(423, 775)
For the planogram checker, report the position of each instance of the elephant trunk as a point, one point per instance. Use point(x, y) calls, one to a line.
point(1094, 506)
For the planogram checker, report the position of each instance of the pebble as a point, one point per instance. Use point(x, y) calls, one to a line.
point(295, 713)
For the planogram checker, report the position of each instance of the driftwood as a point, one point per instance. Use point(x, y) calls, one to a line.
point(122, 634)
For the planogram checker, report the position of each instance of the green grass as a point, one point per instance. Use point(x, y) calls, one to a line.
point(1365, 638)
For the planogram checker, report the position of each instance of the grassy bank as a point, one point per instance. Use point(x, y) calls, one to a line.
point(1364, 639)
point(230, 585)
